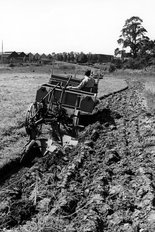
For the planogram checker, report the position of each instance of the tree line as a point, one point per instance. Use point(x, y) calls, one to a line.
point(82, 57)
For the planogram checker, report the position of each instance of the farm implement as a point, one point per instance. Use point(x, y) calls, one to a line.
point(59, 108)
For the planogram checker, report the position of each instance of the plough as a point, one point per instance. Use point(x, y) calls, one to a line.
point(59, 108)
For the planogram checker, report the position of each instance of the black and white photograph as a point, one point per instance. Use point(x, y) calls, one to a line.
point(77, 116)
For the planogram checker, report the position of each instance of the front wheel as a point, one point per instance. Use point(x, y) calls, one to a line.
point(31, 117)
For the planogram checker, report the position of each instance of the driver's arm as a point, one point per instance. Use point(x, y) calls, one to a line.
point(80, 86)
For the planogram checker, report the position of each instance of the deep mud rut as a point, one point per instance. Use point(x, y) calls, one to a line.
point(106, 183)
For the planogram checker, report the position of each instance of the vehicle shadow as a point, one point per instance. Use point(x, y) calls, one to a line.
point(104, 116)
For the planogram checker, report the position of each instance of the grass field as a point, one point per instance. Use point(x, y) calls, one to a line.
point(18, 90)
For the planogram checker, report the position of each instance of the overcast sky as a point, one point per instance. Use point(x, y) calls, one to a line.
point(47, 26)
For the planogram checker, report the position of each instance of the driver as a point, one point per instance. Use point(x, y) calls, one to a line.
point(86, 84)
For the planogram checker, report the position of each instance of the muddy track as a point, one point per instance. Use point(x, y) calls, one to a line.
point(107, 183)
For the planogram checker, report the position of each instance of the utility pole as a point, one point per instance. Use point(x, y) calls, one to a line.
point(2, 53)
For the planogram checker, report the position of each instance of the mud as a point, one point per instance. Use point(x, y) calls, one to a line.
point(106, 183)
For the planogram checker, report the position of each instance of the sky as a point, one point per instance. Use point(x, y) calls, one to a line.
point(47, 26)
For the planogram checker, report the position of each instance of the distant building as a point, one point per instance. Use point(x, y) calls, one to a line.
point(5, 57)
point(103, 58)
point(21, 57)
point(17, 57)
point(43, 56)
point(49, 56)
point(37, 57)
point(30, 57)
point(8, 57)
point(44, 59)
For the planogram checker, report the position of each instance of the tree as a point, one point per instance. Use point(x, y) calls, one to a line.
point(133, 36)
point(64, 56)
point(82, 58)
point(59, 57)
point(72, 58)
point(89, 58)
point(148, 48)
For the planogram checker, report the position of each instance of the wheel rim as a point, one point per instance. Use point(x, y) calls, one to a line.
point(32, 129)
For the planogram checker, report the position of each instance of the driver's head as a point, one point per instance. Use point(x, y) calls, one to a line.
point(87, 73)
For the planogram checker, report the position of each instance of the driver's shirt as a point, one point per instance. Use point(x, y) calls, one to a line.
point(86, 83)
